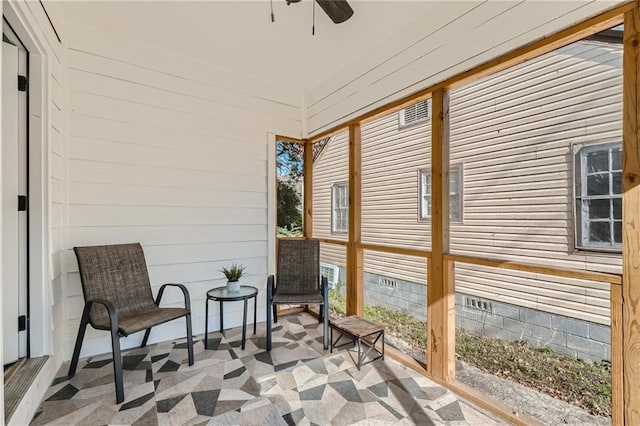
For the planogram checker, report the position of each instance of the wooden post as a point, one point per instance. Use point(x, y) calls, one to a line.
point(617, 391)
point(440, 285)
point(631, 217)
point(307, 220)
point(355, 257)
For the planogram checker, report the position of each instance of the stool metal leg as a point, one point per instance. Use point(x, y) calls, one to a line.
point(331, 339)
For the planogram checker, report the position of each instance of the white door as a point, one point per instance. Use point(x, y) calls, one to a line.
point(14, 222)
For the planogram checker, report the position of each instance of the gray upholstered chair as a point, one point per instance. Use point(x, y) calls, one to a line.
point(118, 298)
point(298, 282)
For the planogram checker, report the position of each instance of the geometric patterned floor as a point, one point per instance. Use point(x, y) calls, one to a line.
point(296, 383)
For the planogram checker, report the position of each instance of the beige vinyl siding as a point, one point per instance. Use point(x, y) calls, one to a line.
point(170, 152)
point(407, 268)
point(335, 158)
point(391, 158)
point(512, 132)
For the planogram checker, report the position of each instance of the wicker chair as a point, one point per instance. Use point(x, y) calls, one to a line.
point(118, 298)
point(298, 282)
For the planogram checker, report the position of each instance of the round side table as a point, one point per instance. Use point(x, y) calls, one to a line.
point(221, 295)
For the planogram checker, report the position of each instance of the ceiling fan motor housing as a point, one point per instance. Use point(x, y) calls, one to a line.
point(338, 10)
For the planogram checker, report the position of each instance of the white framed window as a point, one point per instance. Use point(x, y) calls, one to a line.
point(332, 272)
point(416, 113)
point(455, 193)
point(598, 196)
point(340, 207)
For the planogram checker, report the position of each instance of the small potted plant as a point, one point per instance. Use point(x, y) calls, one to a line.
point(233, 274)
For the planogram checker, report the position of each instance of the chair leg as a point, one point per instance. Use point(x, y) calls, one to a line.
point(189, 339)
point(275, 313)
point(325, 327)
point(147, 332)
point(270, 309)
point(320, 313)
point(325, 312)
point(117, 363)
point(76, 350)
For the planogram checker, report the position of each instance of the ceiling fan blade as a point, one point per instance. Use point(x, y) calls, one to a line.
point(338, 10)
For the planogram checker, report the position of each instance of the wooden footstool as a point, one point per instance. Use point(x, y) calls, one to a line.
point(357, 328)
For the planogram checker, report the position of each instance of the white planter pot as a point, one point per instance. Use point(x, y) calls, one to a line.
point(233, 286)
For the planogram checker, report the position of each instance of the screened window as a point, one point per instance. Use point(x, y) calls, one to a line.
point(340, 207)
point(455, 193)
point(415, 113)
point(598, 191)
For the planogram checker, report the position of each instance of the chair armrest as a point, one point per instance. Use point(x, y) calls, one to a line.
point(110, 307)
point(271, 287)
point(185, 293)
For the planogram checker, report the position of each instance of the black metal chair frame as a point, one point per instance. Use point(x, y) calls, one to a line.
point(116, 334)
point(323, 289)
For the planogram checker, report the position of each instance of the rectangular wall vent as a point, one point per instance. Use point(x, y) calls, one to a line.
point(478, 304)
point(388, 282)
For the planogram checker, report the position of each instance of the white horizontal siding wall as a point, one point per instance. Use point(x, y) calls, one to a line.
point(429, 50)
point(57, 146)
point(512, 133)
point(170, 152)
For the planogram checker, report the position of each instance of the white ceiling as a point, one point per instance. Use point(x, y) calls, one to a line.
point(239, 34)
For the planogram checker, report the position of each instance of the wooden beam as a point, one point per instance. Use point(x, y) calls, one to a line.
point(396, 250)
point(631, 216)
point(355, 258)
point(307, 202)
point(617, 390)
point(332, 241)
point(537, 269)
point(532, 50)
point(440, 292)
point(510, 414)
point(448, 307)
point(290, 139)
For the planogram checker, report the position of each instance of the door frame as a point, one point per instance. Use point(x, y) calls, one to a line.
point(38, 118)
point(20, 184)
